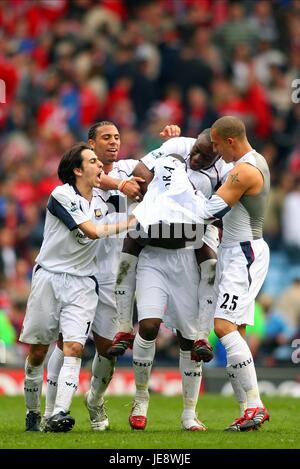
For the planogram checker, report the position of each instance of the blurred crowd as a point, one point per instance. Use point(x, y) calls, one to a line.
point(142, 64)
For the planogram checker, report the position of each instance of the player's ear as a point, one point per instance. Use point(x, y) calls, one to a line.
point(77, 171)
point(91, 143)
point(230, 140)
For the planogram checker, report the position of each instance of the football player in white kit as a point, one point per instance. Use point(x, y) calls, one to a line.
point(163, 280)
point(104, 139)
point(202, 167)
point(243, 259)
point(64, 291)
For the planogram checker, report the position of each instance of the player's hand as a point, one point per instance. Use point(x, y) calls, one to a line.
point(170, 131)
point(132, 188)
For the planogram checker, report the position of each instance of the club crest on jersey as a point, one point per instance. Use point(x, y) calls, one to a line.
point(157, 154)
point(98, 213)
point(73, 206)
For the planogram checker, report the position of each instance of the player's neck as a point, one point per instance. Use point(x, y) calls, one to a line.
point(107, 168)
point(85, 191)
point(242, 149)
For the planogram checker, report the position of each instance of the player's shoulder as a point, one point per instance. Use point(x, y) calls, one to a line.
point(124, 167)
point(65, 190)
point(179, 145)
point(244, 174)
point(183, 143)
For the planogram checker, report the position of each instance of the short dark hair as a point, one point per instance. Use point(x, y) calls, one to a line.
point(230, 126)
point(206, 134)
point(71, 159)
point(93, 130)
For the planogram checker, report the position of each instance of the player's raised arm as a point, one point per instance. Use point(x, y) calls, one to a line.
point(243, 179)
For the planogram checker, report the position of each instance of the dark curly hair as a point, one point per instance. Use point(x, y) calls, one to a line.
point(71, 159)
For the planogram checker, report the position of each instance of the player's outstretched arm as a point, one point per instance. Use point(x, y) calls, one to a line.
point(93, 231)
point(243, 179)
point(240, 180)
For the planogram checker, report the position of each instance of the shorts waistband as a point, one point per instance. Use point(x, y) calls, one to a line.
point(239, 243)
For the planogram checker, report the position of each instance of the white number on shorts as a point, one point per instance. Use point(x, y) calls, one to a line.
point(88, 327)
point(233, 304)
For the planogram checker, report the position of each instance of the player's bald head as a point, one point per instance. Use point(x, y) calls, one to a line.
point(204, 136)
point(229, 127)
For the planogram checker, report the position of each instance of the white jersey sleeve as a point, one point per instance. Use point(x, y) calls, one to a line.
point(223, 169)
point(63, 205)
point(180, 145)
point(124, 168)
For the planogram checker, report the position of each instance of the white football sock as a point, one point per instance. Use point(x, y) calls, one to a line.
point(125, 290)
point(67, 384)
point(102, 372)
point(191, 375)
point(240, 358)
point(53, 368)
point(205, 296)
point(239, 392)
point(33, 386)
point(143, 354)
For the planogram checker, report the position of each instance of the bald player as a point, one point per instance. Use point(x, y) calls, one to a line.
point(243, 259)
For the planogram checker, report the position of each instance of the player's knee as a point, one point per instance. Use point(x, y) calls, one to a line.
point(223, 327)
point(37, 354)
point(148, 329)
point(73, 349)
point(218, 331)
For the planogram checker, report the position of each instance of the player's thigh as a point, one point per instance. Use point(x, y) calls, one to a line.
point(183, 306)
point(105, 322)
point(41, 322)
point(240, 273)
point(151, 288)
point(259, 268)
point(78, 311)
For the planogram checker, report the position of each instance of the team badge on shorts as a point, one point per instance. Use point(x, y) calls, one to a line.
point(98, 213)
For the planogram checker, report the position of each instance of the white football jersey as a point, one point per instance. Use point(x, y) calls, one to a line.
point(109, 249)
point(207, 181)
point(65, 247)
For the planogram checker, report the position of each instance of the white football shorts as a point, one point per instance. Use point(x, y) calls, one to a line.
point(241, 271)
point(211, 237)
point(59, 303)
point(167, 285)
point(106, 318)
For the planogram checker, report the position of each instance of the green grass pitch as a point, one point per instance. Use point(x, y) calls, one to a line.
point(163, 429)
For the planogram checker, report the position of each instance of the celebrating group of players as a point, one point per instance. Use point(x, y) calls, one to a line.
point(88, 273)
